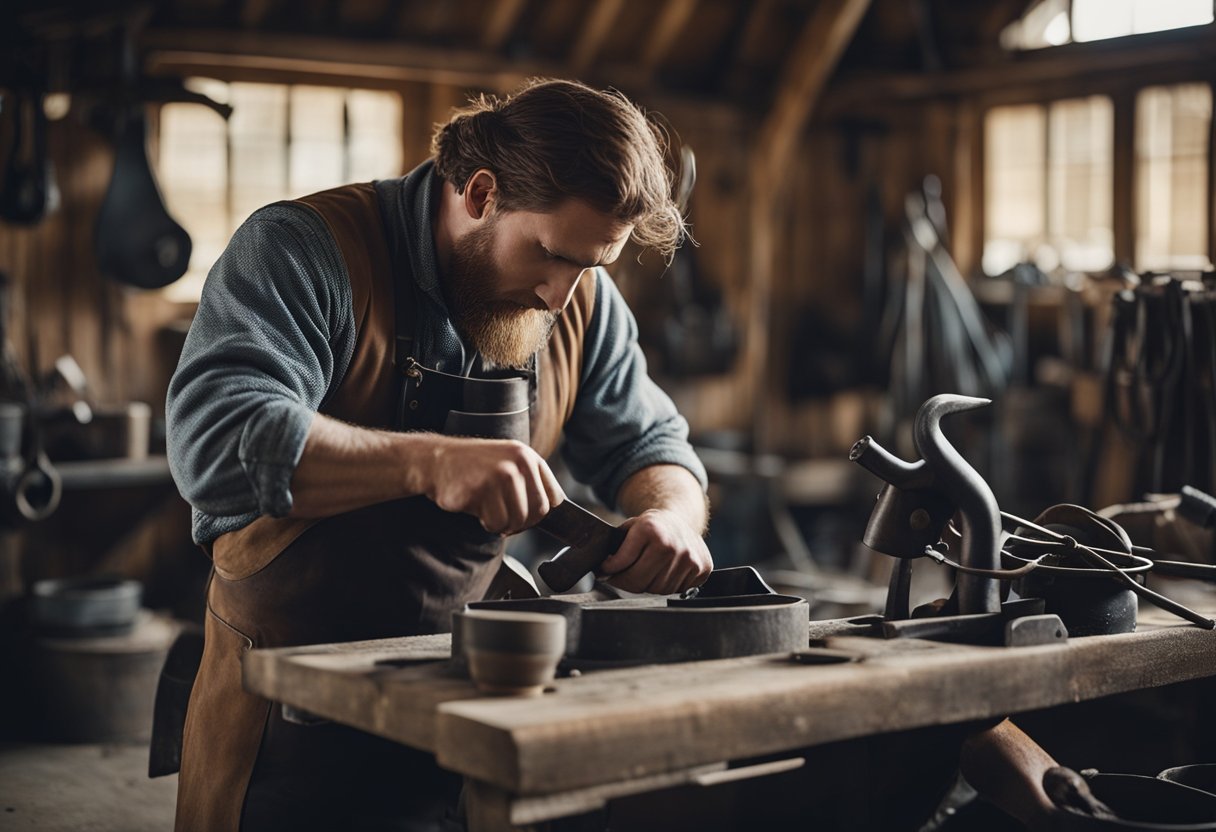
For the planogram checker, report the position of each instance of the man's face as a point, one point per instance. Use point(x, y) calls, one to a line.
point(514, 273)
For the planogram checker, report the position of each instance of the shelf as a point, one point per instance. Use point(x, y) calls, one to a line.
point(114, 473)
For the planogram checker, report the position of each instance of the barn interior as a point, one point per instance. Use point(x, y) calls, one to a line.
point(891, 201)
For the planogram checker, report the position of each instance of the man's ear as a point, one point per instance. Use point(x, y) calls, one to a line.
point(480, 192)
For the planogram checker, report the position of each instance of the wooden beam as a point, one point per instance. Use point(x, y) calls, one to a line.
point(334, 56)
point(503, 17)
point(273, 58)
point(670, 23)
point(828, 30)
point(968, 209)
point(1211, 180)
point(1123, 178)
point(757, 705)
point(757, 21)
point(595, 31)
point(1195, 46)
point(825, 35)
point(254, 13)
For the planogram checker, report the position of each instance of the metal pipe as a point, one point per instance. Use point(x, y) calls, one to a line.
point(981, 516)
point(885, 465)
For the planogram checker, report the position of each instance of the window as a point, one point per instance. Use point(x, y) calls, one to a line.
point(281, 142)
point(1048, 185)
point(1101, 19)
point(1172, 129)
point(1080, 182)
point(1057, 22)
point(1015, 152)
point(1044, 24)
point(1049, 188)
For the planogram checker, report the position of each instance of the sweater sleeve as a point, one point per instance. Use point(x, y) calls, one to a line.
point(273, 331)
point(622, 420)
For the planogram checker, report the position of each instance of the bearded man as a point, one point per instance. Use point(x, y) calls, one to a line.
point(347, 347)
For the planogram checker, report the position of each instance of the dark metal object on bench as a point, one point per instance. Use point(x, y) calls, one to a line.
point(1080, 563)
point(1093, 588)
point(1020, 623)
point(920, 497)
point(908, 521)
point(1138, 802)
point(734, 614)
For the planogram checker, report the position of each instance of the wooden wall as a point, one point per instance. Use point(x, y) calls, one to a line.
point(822, 255)
point(62, 304)
point(819, 240)
point(65, 306)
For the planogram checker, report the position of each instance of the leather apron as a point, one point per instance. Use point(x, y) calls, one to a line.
point(394, 569)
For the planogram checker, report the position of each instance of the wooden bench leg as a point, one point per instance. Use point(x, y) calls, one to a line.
point(489, 808)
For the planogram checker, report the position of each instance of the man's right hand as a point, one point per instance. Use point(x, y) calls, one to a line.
point(503, 483)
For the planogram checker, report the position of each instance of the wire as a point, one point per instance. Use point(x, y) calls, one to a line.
point(1094, 555)
point(1000, 574)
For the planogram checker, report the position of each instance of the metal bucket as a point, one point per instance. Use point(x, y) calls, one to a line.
point(1146, 803)
point(1089, 601)
point(1199, 776)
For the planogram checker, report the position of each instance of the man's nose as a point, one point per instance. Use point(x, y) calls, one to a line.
point(556, 292)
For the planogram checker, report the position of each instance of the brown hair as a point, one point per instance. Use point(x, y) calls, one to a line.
point(554, 140)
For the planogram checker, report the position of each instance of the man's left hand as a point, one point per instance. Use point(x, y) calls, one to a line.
point(661, 554)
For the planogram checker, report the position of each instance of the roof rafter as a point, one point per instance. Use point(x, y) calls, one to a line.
point(595, 31)
point(255, 12)
point(501, 23)
point(757, 21)
point(827, 31)
point(670, 23)
point(824, 37)
point(237, 55)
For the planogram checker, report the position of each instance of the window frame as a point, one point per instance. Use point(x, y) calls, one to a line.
point(1045, 173)
point(238, 75)
point(1068, 8)
point(1122, 92)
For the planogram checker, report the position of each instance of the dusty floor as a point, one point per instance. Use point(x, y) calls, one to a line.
point(56, 788)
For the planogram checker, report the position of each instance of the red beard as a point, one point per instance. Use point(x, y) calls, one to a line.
point(505, 333)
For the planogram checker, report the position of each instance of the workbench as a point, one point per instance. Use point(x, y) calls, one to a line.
point(612, 733)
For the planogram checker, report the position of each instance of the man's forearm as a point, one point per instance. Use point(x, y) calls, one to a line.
point(504, 484)
point(345, 467)
point(669, 487)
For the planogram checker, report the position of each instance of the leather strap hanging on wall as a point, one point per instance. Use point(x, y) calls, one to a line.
point(137, 241)
point(699, 336)
point(26, 191)
point(1161, 381)
point(939, 338)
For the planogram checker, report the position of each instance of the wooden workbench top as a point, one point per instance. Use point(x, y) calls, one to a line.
point(629, 723)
